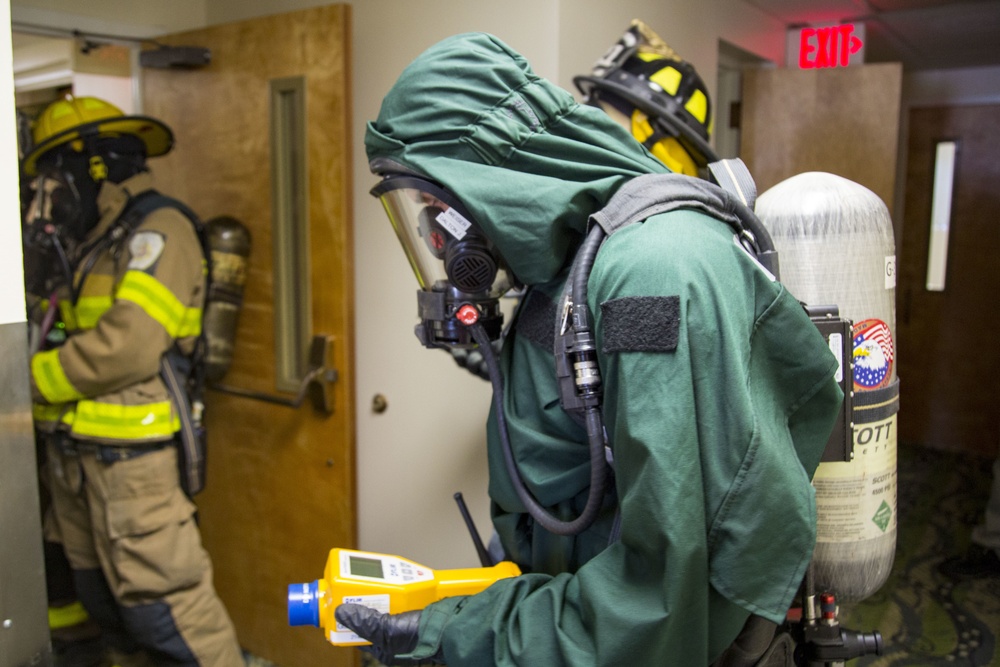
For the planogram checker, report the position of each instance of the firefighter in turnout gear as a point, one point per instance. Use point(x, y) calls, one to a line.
point(115, 287)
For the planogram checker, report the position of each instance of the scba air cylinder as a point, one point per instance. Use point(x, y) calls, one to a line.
point(229, 241)
point(835, 242)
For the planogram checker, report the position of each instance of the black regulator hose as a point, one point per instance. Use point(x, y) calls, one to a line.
point(595, 437)
point(64, 264)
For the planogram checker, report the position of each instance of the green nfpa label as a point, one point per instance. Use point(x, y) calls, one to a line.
point(882, 516)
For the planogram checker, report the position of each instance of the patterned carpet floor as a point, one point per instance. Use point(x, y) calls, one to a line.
point(925, 618)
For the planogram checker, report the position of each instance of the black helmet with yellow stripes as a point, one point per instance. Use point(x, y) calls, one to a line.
point(657, 95)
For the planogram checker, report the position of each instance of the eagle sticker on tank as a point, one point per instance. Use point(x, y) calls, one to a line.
point(145, 248)
point(873, 354)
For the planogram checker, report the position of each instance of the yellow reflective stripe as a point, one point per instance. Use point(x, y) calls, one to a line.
point(94, 300)
point(160, 303)
point(649, 56)
point(68, 316)
point(89, 309)
point(697, 106)
point(191, 324)
point(668, 79)
point(67, 616)
point(50, 378)
point(125, 422)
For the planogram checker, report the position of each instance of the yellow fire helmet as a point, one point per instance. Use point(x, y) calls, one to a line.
point(657, 95)
point(75, 120)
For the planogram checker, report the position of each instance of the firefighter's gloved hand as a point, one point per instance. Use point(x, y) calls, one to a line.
point(391, 635)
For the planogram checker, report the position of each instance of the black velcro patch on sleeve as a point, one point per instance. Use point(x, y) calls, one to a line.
point(536, 319)
point(641, 324)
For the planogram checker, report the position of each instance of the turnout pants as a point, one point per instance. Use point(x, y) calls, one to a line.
point(139, 566)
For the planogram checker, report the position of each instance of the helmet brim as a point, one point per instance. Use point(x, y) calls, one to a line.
point(156, 136)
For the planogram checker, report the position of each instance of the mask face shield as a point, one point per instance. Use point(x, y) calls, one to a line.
point(455, 264)
point(63, 199)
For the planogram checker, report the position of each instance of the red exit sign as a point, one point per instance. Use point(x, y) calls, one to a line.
point(828, 46)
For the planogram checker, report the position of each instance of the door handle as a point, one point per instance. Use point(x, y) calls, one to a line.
point(316, 383)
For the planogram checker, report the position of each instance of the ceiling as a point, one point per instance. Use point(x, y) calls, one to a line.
point(921, 34)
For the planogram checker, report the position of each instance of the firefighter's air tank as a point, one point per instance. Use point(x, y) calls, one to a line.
point(229, 241)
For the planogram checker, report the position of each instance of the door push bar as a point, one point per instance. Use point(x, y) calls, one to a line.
point(316, 383)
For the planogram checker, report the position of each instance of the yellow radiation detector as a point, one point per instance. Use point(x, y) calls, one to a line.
point(387, 583)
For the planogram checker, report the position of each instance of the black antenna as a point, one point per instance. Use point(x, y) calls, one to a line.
point(484, 556)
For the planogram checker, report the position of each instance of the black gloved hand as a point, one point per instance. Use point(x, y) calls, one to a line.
point(390, 634)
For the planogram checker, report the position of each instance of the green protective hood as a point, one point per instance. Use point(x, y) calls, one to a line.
point(528, 161)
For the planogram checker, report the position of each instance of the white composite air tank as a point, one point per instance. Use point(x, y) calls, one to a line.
point(835, 246)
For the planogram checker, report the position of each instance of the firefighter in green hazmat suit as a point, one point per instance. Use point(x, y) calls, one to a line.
point(717, 392)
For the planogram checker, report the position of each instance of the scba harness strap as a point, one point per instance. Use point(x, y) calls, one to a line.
point(183, 375)
point(637, 200)
point(730, 198)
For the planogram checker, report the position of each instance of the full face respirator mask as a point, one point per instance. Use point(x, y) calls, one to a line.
point(61, 211)
point(461, 274)
point(462, 277)
point(63, 207)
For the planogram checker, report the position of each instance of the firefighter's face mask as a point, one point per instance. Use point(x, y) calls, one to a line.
point(63, 206)
point(460, 272)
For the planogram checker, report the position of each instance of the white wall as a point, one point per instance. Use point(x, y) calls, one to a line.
point(430, 442)
point(11, 261)
point(115, 89)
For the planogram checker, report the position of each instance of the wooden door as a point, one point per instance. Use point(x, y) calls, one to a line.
point(949, 360)
point(281, 481)
point(842, 121)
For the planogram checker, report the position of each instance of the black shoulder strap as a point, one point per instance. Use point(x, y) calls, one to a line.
point(652, 194)
point(183, 375)
point(135, 212)
point(730, 200)
point(144, 203)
